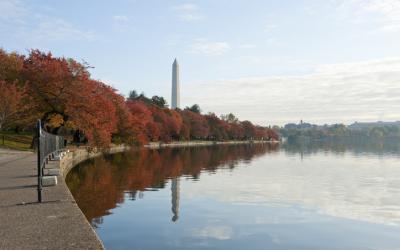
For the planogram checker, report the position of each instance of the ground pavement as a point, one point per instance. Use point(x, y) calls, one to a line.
point(56, 223)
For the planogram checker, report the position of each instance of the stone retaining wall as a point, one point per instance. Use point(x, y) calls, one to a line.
point(76, 156)
point(201, 143)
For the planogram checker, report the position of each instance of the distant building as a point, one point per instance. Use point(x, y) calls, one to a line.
point(175, 97)
point(301, 125)
point(361, 125)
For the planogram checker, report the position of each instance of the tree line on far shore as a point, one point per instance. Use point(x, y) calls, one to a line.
point(61, 92)
point(359, 130)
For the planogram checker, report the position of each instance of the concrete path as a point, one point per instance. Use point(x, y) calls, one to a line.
point(57, 223)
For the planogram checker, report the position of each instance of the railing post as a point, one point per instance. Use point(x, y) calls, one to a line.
point(47, 148)
point(39, 163)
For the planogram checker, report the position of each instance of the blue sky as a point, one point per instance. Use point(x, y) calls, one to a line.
point(268, 61)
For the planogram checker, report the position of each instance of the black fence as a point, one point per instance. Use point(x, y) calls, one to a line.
point(49, 147)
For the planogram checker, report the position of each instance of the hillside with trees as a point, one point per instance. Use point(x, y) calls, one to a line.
point(61, 92)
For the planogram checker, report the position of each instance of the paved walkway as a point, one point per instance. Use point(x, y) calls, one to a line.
point(57, 223)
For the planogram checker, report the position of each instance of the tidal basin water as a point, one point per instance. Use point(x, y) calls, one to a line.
point(259, 196)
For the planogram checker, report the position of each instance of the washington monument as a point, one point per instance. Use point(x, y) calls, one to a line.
point(175, 99)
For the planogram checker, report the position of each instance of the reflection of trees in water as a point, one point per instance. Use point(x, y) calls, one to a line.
point(98, 185)
point(355, 146)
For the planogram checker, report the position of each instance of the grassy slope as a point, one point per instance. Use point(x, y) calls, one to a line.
point(16, 141)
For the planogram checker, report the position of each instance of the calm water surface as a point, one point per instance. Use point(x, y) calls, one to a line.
point(319, 196)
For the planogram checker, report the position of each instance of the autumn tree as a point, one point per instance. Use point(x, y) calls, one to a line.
point(197, 124)
point(186, 127)
point(61, 87)
point(273, 134)
point(236, 131)
point(142, 121)
point(11, 88)
point(11, 65)
point(169, 122)
point(217, 127)
point(10, 104)
point(248, 129)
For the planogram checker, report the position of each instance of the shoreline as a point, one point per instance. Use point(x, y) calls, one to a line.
point(154, 145)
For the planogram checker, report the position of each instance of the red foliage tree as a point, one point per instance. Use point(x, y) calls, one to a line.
point(142, 121)
point(10, 104)
point(197, 123)
point(218, 129)
point(11, 65)
point(249, 130)
point(236, 131)
point(63, 87)
point(168, 121)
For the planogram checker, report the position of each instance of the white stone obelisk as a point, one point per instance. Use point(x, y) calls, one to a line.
point(175, 99)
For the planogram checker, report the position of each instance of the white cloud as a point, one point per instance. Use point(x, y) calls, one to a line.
point(25, 24)
point(390, 12)
point(191, 17)
point(57, 30)
point(209, 48)
point(366, 67)
point(188, 12)
point(215, 232)
point(270, 27)
point(186, 7)
point(389, 8)
point(246, 46)
point(383, 13)
point(122, 23)
point(173, 40)
point(270, 41)
point(391, 27)
point(347, 92)
point(11, 10)
point(120, 18)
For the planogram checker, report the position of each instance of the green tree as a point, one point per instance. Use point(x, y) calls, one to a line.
point(230, 118)
point(159, 101)
point(194, 108)
point(133, 95)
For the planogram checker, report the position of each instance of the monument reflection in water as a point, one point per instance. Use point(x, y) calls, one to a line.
point(316, 196)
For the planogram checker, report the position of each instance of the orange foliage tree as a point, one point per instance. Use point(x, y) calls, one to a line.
point(10, 104)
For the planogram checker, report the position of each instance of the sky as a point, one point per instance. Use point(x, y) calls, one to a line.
point(271, 62)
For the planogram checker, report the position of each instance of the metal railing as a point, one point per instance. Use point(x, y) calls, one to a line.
point(48, 147)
